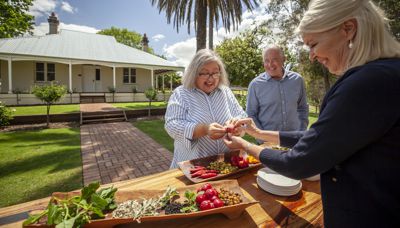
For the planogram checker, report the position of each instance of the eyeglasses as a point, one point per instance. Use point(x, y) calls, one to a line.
point(214, 75)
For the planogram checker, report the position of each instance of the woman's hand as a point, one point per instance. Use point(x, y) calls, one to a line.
point(231, 127)
point(234, 142)
point(215, 131)
point(248, 125)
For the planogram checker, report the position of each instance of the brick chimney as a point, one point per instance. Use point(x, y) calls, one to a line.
point(53, 23)
point(145, 43)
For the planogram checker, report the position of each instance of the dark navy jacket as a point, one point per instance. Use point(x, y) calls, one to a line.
point(355, 145)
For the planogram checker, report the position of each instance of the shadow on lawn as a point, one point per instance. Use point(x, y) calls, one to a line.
point(71, 183)
point(57, 154)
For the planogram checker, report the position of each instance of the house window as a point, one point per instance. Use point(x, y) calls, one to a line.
point(51, 72)
point(129, 75)
point(97, 74)
point(40, 72)
point(43, 70)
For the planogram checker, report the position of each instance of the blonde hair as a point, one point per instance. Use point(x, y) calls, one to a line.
point(202, 57)
point(372, 39)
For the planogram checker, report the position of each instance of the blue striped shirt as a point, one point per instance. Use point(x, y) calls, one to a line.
point(190, 107)
point(278, 105)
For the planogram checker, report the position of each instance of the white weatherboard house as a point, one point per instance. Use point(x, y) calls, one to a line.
point(85, 63)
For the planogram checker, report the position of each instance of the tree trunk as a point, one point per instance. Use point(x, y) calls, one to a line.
point(201, 33)
point(48, 116)
point(210, 30)
point(149, 107)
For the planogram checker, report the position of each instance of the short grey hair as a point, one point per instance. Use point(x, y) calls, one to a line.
point(202, 57)
point(273, 47)
point(372, 39)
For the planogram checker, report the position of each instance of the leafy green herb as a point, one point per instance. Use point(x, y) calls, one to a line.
point(190, 202)
point(77, 210)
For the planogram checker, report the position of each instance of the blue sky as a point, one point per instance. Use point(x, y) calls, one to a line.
point(136, 15)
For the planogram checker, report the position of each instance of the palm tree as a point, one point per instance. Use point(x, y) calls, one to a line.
point(180, 11)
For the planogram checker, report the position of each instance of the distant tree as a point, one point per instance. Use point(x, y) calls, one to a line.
point(181, 11)
point(14, 20)
point(151, 95)
point(242, 56)
point(317, 79)
point(49, 94)
point(392, 10)
point(124, 36)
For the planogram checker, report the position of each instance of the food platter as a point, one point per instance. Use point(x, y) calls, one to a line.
point(186, 166)
point(232, 211)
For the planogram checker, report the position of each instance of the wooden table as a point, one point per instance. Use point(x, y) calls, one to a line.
point(301, 210)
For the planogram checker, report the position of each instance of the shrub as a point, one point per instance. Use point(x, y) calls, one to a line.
point(49, 94)
point(151, 94)
point(5, 115)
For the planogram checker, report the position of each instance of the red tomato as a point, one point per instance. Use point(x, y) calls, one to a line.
point(200, 198)
point(214, 198)
point(218, 203)
point(206, 186)
point(210, 193)
point(205, 205)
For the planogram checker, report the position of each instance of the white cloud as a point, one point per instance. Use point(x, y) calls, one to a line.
point(81, 28)
point(182, 52)
point(158, 37)
point(67, 7)
point(43, 28)
point(41, 8)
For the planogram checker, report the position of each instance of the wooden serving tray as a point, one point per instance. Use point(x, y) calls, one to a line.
point(231, 212)
point(185, 166)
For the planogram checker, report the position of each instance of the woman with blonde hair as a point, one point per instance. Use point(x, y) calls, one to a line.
point(355, 143)
point(198, 110)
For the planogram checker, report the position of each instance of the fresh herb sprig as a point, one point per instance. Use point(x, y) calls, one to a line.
point(78, 210)
point(190, 202)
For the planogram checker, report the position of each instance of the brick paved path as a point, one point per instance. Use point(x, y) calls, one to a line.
point(119, 151)
point(97, 107)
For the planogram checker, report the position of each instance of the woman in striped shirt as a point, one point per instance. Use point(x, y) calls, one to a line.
point(198, 110)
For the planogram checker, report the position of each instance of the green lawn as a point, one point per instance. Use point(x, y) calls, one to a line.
point(33, 164)
point(41, 109)
point(312, 117)
point(140, 105)
point(155, 129)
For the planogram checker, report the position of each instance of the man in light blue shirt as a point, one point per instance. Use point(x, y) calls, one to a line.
point(276, 99)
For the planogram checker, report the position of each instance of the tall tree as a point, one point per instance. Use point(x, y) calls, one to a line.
point(180, 11)
point(124, 36)
point(14, 20)
point(242, 55)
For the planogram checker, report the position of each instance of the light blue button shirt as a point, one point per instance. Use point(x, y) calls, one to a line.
point(190, 107)
point(279, 105)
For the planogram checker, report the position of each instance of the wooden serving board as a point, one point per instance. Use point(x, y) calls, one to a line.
point(185, 166)
point(231, 212)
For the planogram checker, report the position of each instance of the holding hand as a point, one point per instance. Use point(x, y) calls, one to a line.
point(215, 131)
point(234, 142)
point(232, 127)
point(248, 125)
